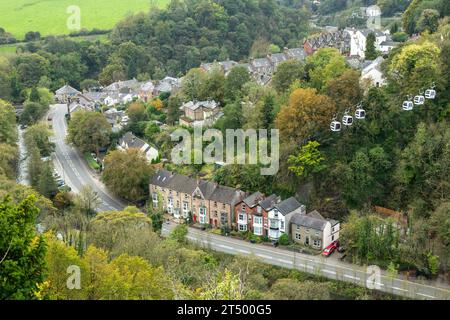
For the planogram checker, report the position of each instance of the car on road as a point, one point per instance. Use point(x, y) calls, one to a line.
point(330, 248)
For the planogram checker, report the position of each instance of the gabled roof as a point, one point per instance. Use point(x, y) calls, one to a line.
point(261, 63)
point(67, 90)
point(269, 202)
point(132, 141)
point(254, 199)
point(210, 190)
point(287, 206)
point(308, 221)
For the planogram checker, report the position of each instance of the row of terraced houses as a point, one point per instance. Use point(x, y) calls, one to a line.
point(208, 203)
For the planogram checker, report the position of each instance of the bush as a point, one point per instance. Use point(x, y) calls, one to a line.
point(284, 240)
point(400, 37)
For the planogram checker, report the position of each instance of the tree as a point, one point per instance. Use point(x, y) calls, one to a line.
point(8, 132)
point(288, 289)
point(179, 233)
point(38, 136)
point(32, 113)
point(111, 227)
point(173, 109)
point(371, 52)
point(87, 201)
point(8, 160)
point(324, 65)
point(89, 131)
point(345, 90)
point(234, 83)
point(136, 111)
point(22, 251)
point(151, 130)
point(428, 21)
point(30, 68)
point(286, 74)
point(306, 115)
point(127, 174)
point(268, 110)
point(46, 184)
point(309, 160)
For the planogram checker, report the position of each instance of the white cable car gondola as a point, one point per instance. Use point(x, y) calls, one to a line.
point(347, 120)
point(419, 99)
point(430, 94)
point(360, 113)
point(335, 126)
point(408, 105)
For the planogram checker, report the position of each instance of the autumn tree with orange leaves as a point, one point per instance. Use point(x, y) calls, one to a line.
point(306, 115)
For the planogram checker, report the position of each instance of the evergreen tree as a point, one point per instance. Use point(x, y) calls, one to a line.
point(371, 52)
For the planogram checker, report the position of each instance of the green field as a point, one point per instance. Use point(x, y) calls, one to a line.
point(49, 17)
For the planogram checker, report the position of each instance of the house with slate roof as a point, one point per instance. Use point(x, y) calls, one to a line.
point(130, 141)
point(204, 113)
point(280, 217)
point(182, 196)
point(66, 92)
point(314, 230)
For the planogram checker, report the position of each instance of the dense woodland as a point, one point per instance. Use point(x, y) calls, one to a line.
point(393, 158)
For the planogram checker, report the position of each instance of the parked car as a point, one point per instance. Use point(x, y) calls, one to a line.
point(330, 249)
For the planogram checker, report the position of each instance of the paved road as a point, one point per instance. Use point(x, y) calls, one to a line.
point(332, 269)
point(72, 167)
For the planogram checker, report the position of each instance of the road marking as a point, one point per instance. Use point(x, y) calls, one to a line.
point(285, 261)
point(425, 295)
point(243, 251)
point(226, 247)
point(351, 277)
point(264, 256)
point(329, 271)
point(400, 289)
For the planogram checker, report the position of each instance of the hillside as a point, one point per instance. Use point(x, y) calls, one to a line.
point(50, 17)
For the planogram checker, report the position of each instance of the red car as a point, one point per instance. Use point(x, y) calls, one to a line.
point(331, 247)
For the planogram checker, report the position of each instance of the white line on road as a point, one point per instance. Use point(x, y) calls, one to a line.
point(400, 289)
point(264, 256)
point(425, 295)
point(285, 261)
point(244, 251)
point(329, 271)
point(226, 247)
point(351, 277)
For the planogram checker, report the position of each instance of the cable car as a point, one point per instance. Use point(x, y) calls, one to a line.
point(360, 114)
point(335, 126)
point(347, 120)
point(419, 100)
point(408, 105)
point(430, 94)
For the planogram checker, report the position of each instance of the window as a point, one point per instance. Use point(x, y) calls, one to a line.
point(257, 230)
point(332, 237)
point(243, 207)
point(257, 220)
point(332, 229)
point(317, 243)
point(317, 233)
point(298, 227)
point(243, 227)
point(224, 206)
point(215, 204)
point(258, 209)
point(298, 236)
point(202, 213)
point(282, 224)
point(241, 217)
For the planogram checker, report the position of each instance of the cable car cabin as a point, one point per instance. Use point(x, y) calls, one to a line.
point(335, 126)
point(347, 120)
point(430, 94)
point(419, 100)
point(408, 105)
point(360, 114)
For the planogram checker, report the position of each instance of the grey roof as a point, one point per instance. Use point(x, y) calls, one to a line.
point(277, 57)
point(366, 32)
point(132, 141)
point(194, 105)
point(228, 65)
point(261, 63)
point(296, 53)
point(316, 214)
point(67, 90)
point(210, 190)
point(287, 206)
point(123, 86)
point(253, 199)
point(147, 86)
point(308, 221)
point(94, 96)
point(389, 43)
point(269, 202)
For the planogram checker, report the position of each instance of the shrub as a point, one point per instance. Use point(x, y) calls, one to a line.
point(284, 240)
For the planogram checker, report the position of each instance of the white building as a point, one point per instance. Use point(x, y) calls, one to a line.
point(359, 40)
point(280, 217)
point(372, 74)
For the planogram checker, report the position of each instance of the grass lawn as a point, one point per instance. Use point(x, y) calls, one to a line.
point(49, 17)
point(90, 160)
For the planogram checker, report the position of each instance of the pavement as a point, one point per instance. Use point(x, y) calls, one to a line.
point(72, 167)
point(318, 265)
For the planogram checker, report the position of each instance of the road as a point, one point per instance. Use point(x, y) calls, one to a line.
point(318, 265)
point(72, 167)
